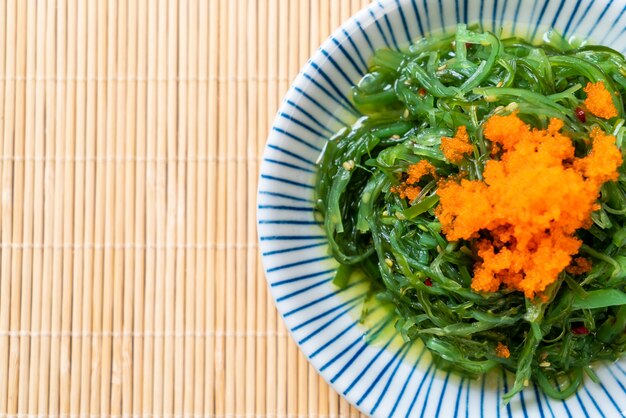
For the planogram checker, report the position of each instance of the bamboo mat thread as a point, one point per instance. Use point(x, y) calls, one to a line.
point(130, 278)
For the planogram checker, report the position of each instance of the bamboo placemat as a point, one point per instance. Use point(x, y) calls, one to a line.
point(130, 279)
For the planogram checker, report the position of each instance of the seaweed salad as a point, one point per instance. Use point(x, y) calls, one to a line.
point(483, 192)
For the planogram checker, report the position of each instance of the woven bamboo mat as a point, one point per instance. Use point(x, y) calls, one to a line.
point(130, 279)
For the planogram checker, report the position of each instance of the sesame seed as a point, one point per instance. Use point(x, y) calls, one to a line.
point(348, 165)
point(511, 107)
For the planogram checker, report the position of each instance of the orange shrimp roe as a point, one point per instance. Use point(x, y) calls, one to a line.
point(599, 100)
point(455, 148)
point(524, 214)
point(407, 192)
point(419, 170)
point(579, 265)
point(408, 189)
point(502, 351)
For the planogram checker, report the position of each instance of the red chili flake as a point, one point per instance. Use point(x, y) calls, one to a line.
point(580, 114)
point(422, 91)
point(580, 330)
point(428, 282)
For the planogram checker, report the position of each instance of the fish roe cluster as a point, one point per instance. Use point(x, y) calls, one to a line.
point(408, 189)
point(455, 148)
point(502, 351)
point(523, 216)
point(599, 100)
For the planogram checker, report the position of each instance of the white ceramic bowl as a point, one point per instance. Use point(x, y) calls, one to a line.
point(388, 379)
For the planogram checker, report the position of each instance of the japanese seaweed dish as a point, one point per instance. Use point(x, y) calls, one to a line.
point(483, 193)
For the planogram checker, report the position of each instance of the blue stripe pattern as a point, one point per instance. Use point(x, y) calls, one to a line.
point(371, 365)
point(327, 324)
point(291, 154)
point(355, 66)
point(538, 398)
point(303, 290)
point(316, 302)
point(334, 339)
point(286, 181)
point(289, 165)
point(296, 138)
point(404, 386)
point(356, 50)
point(298, 263)
point(351, 345)
point(290, 237)
point(390, 380)
point(545, 399)
point(285, 207)
point(458, 397)
point(398, 355)
point(309, 115)
point(443, 392)
point(324, 314)
point(292, 249)
point(303, 277)
point(571, 17)
point(419, 389)
point(319, 106)
point(286, 222)
point(364, 369)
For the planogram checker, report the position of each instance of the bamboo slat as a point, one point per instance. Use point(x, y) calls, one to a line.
point(130, 278)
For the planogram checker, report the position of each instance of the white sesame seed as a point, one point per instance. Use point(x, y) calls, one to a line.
point(511, 107)
point(348, 165)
